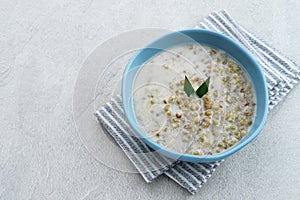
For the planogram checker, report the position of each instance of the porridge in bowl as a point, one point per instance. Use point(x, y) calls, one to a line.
point(172, 114)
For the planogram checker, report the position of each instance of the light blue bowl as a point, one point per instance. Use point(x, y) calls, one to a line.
point(205, 37)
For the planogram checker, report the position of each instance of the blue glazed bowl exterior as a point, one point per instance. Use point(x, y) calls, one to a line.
point(209, 38)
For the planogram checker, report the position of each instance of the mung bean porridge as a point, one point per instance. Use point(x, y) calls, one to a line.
point(189, 124)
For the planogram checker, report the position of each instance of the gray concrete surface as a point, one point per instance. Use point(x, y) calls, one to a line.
point(43, 45)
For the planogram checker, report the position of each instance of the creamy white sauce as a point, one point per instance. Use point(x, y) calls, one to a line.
point(161, 78)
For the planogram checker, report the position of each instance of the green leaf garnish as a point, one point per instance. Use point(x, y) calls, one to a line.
point(201, 91)
point(203, 88)
point(188, 88)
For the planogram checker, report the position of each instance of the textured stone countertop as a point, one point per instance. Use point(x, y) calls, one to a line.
point(42, 156)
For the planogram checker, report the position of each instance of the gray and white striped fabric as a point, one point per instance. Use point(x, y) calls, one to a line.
point(281, 75)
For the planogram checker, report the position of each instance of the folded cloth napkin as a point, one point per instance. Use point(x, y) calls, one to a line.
point(281, 75)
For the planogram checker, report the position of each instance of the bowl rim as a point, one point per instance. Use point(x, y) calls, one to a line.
point(190, 157)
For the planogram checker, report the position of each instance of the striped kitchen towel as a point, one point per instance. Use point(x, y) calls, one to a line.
point(281, 75)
